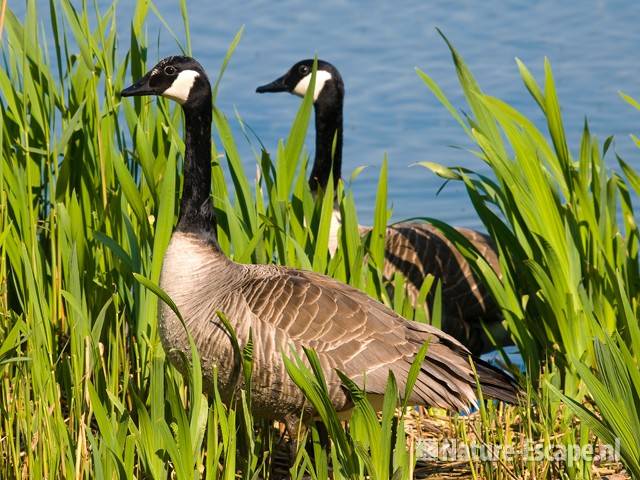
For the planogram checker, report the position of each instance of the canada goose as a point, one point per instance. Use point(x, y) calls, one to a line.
point(285, 309)
point(413, 249)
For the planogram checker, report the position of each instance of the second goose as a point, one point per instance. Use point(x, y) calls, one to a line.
point(413, 249)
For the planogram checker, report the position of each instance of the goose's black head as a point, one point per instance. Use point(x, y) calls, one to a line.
point(329, 83)
point(179, 78)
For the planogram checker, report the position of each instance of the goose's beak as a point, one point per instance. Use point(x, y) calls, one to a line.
point(278, 85)
point(141, 87)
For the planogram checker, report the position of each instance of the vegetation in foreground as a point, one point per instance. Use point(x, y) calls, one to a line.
point(87, 208)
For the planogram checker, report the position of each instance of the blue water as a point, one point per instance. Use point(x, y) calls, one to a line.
point(495, 358)
point(592, 44)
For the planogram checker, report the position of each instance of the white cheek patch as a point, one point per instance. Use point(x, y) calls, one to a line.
point(322, 76)
point(181, 86)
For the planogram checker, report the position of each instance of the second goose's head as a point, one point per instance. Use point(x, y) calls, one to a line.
point(329, 86)
point(328, 97)
point(179, 78)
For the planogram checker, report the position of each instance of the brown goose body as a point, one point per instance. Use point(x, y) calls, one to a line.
point(418, 249)
point(285, 309)
point(412, 249)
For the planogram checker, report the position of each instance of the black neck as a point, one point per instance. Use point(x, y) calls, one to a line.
point(328, 110)
point(196, 209)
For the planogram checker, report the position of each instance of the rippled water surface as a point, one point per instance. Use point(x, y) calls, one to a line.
point(592, 44)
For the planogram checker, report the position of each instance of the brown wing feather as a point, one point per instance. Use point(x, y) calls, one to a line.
point(361, 337)
point(418, 249)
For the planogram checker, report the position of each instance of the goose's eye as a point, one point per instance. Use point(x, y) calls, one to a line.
point(303, 70)
point(169, 70)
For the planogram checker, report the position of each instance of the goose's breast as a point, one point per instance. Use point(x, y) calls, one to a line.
point(194, 275)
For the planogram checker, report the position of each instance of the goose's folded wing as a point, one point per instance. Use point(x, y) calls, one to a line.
point(418, 249)
point(364, 339)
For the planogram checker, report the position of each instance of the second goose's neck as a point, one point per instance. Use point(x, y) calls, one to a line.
point(196, 209)
point(328, 128)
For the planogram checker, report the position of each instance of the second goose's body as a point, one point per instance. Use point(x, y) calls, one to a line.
point(412, 249)
point(285, 310)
